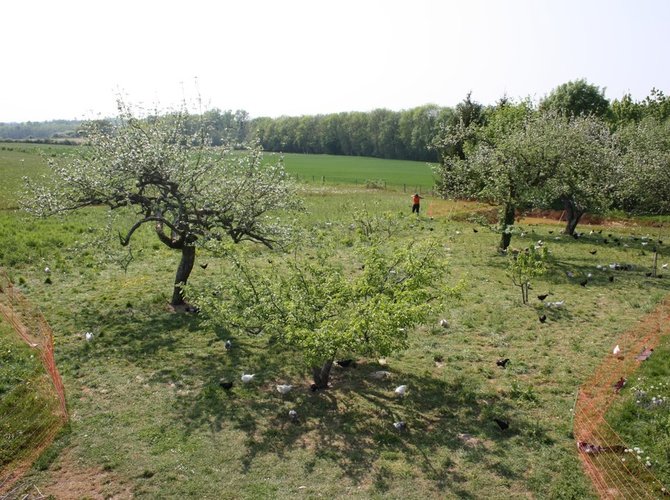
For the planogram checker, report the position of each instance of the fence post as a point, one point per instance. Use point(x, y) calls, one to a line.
point(323, 179)
point(404, 188)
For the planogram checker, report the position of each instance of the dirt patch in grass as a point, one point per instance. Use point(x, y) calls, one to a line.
point(72, 479)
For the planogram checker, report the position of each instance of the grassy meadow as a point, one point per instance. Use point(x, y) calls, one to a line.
point(395, 174)
point(148, 417)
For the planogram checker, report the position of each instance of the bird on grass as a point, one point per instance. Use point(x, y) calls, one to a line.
point(474, 230)
point(400, 425)
point(569, 274)
point(284, 389)
point(381, 374)
point(644, 355)
point(665, 266)
point(345, 363)
point(619, 385)
point(228, 345)
point(543, 296)
point(591, 449)
point(593, 252)
point(246, 377)
point(48, 281)
point(401, 390)
point(557, 304)
point(584, 282)
point(616, 350)
point(204, 266)
point(611, 279)
point(225, 384)
point(313, 387)
point(502, 363)
point(293, 416)
point(444, 323)
point(543, 318)
point(501, 423)
point(648, 275)
point(88, 336)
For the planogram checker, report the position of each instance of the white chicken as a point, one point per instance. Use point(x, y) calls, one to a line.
point(284, 388)
point(401, 390)
point(246, 377)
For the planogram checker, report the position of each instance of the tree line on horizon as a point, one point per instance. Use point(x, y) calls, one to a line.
point(405, 135)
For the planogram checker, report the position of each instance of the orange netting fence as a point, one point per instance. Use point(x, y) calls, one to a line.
point(34, 410)
point(615, 472)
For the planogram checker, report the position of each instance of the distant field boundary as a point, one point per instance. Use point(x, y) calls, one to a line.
point(605, 463)
point(366, 183)
point(30, 326)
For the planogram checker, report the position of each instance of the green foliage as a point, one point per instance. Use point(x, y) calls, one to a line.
point(523, 159)
point(527, 264)
point(311, 304)
point(576, 98)
point(644, 185)
point(380, 133)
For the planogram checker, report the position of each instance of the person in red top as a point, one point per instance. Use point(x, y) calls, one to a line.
point(416, 203)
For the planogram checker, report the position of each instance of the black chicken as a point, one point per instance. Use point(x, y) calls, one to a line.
point(502, 363)
point(225, 384)
point(501, 423)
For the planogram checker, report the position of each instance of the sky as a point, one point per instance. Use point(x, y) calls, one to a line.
point(70, 59)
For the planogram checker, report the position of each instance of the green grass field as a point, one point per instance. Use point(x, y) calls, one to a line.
point(149, 419)
point(413, 175)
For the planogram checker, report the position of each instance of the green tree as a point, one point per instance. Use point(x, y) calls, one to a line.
point(625, 110)
point(525, 265)
point(164, 176)
point(576, 98)
point(325, 313)
point(644, 185)
point(584, 171)
point(488, 163)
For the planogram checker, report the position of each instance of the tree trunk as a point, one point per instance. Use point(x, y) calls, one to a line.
point(508, 221)
point(183, 272)
point(655, 266)
point(321, 374)
point(573, 214)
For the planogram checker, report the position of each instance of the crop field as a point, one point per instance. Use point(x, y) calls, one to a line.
point(414, 175)
point(149, 418)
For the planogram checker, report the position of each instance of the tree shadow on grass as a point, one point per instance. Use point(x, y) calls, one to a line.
point(351, 425)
